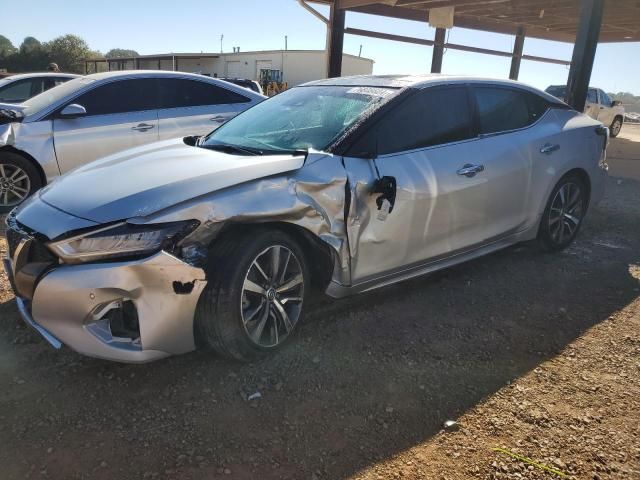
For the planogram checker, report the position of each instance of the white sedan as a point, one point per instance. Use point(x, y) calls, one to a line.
point(89, 117)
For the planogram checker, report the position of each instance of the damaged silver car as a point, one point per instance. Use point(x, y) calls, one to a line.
point(344, 185)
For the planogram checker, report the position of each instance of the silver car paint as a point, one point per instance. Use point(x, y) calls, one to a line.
point(368, 250)
point(63, 144)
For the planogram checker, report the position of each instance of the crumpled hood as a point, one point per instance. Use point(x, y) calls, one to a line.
point(145, 180)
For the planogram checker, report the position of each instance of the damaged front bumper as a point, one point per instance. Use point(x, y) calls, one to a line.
point(134, 311)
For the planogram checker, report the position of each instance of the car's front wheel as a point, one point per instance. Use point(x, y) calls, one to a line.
point(564, 213)
point(615, 127)
point(19, 178)
point(255, 295)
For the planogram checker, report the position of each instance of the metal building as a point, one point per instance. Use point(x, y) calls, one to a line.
point(294, 66)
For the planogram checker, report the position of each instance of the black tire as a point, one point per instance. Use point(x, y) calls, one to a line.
point(557, 216)
point(12, 192)
point(616, 126)
point(219, 319)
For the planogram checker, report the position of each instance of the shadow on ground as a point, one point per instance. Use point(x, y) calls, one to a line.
point(364, 379)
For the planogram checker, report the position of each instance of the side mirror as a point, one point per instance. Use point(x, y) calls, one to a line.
point(615, 103)
point(73, 110)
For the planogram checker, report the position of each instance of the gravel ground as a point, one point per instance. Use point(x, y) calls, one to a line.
point(538, 354)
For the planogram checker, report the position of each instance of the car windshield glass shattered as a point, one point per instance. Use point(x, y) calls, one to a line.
point(53, 95)
point(298, 119)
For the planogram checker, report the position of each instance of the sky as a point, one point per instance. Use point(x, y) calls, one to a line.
point(196, 25)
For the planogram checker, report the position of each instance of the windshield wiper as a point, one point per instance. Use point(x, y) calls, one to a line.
point(229, 148)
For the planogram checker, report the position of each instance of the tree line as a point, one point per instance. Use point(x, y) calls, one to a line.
point(67, 51)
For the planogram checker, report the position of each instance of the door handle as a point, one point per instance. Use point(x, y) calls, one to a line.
point(549, 149)
point(142, 127)
point(469, 170)
point(218, 118)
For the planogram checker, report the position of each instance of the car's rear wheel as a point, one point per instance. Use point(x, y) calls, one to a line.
point(564, 213)
point(615, 127)
point(254, 299)
point(19, 179)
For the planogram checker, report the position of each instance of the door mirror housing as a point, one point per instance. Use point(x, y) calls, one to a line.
point(615, 103)
point(73, 110)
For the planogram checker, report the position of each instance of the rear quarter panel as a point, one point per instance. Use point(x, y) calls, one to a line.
point(580, 147)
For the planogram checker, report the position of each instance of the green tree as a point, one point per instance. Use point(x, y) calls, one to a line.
point(7, 52)
point(121, 52)
point(31, 57)
point(69, 52)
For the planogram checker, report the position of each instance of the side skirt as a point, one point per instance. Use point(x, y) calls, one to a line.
point(337, 290)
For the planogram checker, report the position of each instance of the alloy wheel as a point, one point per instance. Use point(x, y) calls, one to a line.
point(15, 185)
point(566, 212)
point(272, 295)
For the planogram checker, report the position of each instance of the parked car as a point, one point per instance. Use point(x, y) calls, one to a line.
point(599, 106)
point(19, 88)
point(243, 82)
point(346, 184)
point(96, 115)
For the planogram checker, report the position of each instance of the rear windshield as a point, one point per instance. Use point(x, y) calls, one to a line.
point(558, 91)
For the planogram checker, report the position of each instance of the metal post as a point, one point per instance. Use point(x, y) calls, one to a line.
point(438, 50)
point(136, 63)
point(518, 46)
point(335, 44)
point(584, 52)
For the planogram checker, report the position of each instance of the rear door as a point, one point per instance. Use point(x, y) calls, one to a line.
point(121, 114)
point(606, 111)
point(192, 107)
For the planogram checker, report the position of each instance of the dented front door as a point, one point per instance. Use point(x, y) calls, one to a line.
point(437, 211)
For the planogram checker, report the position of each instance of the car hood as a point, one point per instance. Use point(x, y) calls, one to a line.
point(145, 180)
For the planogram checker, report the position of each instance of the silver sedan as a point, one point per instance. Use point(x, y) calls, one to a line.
point(343, 185)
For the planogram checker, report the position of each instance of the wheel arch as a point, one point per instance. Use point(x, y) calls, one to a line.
point(26, 156)
point(320, 257)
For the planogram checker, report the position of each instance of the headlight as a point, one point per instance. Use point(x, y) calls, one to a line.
point(121, 240)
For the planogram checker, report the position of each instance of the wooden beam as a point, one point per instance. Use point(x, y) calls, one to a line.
point(388, 36)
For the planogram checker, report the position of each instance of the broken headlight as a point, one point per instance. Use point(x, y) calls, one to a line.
point(121, 240)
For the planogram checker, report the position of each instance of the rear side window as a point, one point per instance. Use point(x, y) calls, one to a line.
point(592, 96)
point(178, 93)
point(21, 90)
point(433, 116)
point(504, 109)
point(120, 96)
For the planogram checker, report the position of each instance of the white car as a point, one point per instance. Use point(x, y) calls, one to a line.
point(97, 115)
point(599, 106)
point(20, 88)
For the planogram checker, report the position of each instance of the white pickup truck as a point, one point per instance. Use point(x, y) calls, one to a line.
point(599, 106)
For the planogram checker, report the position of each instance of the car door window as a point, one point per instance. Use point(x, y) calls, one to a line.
point(592, 96)
point(17, 91)
point(430, 117)
point(132, 95)
point(180, 93)
point(504, 109)
point(605, 99)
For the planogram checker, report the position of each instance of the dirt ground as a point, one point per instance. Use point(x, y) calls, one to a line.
point(534, 353)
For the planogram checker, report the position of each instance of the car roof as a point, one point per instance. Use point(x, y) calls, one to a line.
point(422, 81)
point(21, 76)
point(105, 76)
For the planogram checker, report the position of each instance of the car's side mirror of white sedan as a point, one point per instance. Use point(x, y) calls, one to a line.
point(73, 110)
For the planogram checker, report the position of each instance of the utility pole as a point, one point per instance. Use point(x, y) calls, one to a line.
point(221, 38)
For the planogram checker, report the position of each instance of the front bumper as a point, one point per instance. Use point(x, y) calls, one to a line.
point(68, 302)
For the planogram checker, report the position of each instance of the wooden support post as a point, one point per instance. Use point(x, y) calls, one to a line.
point(335, 44)
point(438, 50)
point(518, 46)
point(584, 52)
